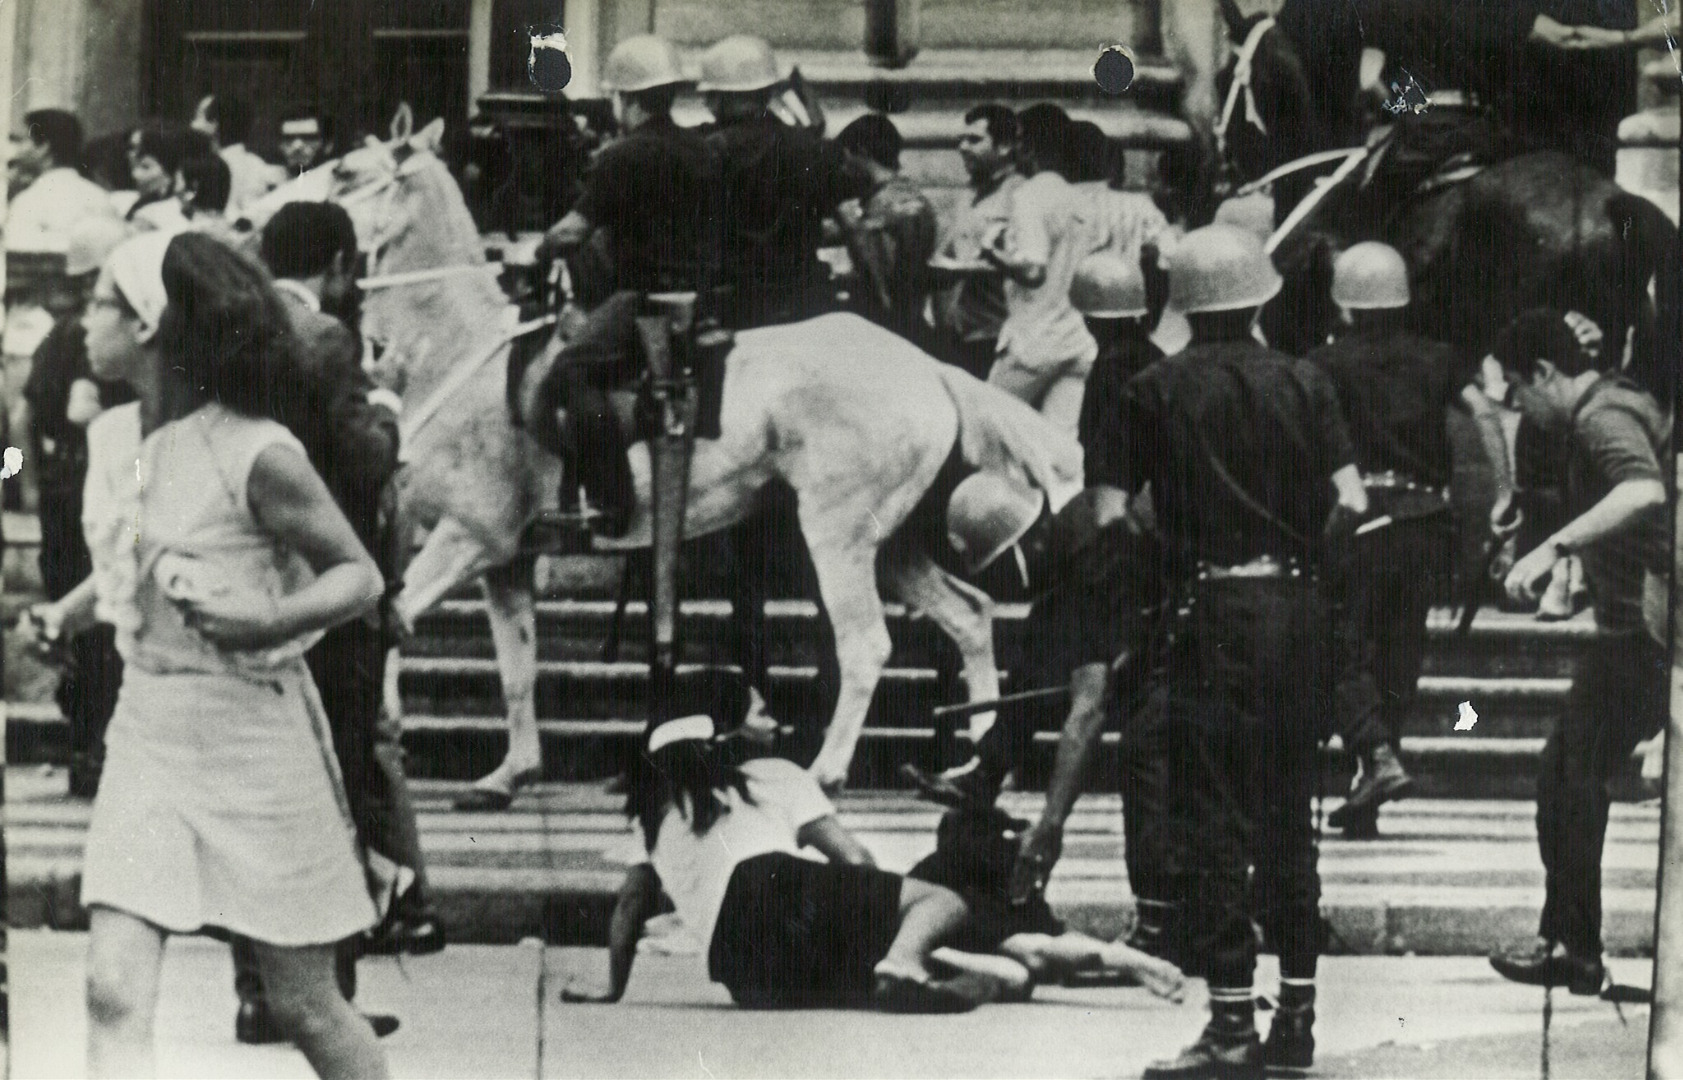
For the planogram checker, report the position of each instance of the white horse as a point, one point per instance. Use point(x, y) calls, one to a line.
point(856, 420)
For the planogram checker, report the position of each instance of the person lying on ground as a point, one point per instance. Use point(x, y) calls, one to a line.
point(723, 839)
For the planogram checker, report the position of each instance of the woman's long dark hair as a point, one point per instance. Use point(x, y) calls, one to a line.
point(691, 776)
point(226, 337)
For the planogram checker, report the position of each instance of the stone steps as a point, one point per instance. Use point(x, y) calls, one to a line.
point(1448, 876)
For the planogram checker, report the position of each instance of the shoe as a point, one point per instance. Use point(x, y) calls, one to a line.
point(84, 781)
point(899, 994)
point(254, 1025)
point(1383, 779)
point(382, 1024)
point(495, 799)
point(1291, 1039)
point(1542, 966)
point(1362, 826)
point(972, 789)
point(1213, 1057)
point(410, 936)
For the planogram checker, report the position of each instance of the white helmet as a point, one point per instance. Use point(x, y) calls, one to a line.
point(1107, 286)
point(1369, 276)
point(642, 62)
point(986, 514)
point(738, 64)
point(1221, 268)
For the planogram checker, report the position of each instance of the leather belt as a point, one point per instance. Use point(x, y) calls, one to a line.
point(1261, 568)
point(1391, 480)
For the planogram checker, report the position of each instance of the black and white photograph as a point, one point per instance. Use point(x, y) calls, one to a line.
point(842, 539)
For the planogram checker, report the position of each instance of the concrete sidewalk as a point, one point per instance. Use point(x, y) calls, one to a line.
point(474, 1011)
point(1449, 877)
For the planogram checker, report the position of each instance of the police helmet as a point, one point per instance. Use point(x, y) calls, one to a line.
point(1221, 268)
point(1107, 286)
point(737, 65)
point(986, 514)
point(642, 62)
point(1369, 275)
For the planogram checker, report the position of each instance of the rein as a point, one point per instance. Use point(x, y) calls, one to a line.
point(412, 422)
point(1322, 187)
point(1242, 85)
point(417, 277)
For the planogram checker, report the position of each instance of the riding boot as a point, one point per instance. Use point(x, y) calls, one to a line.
point(598, 449)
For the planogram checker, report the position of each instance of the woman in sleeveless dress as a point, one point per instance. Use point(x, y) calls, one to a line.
point(219, 557)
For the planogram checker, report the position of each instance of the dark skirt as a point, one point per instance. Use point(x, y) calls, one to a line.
point(800, 934)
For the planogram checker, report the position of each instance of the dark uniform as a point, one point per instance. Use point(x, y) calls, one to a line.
point(1247, 665)
point(1100, 427)
point(777, 186)
point(1394, 388)
point(654, 196)
point(87, 689)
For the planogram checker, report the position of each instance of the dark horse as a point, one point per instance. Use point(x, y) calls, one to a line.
point(1486, 233)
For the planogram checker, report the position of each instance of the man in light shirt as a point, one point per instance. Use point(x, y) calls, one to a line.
point(970, 293)
point(44, 214)
point(1045, 350)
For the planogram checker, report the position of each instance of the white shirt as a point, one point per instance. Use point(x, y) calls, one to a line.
point(1051, 224)
point(1126, 221)
point(695, 870)
point(45, 213)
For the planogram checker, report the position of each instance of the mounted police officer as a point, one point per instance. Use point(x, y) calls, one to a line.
point(653, 197)
point(778, 184)
point(1250, 470)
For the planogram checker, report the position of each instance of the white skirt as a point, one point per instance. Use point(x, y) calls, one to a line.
point(220, 806)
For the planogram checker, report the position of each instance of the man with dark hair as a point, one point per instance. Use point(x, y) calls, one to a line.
point(227, 121)
point(306, 138)
point(311, 249)
point(1045, 351)
point(649, 198)
point(43, 214)
point(891, 235)
point(1618, 487)
point(203, 185)
point(969, 291)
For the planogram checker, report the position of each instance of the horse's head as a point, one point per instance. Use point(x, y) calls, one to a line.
point(410, 220)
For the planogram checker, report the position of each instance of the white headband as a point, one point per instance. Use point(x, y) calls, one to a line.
point(137, 267)
point(683, 729)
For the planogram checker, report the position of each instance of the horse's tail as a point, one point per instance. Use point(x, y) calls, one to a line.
point(999, 433)
point(1650, 251)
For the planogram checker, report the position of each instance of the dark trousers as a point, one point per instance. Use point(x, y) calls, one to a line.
point(93, 672)
point(1386, 593)
point(1619, 697)
point(604, 355)
point(348, 666)
point(1153, 864)
point(1248, 672)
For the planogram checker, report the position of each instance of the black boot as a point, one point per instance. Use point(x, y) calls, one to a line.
point(1546, 965)
point(1383, 780)
point(1291, 1038)
point(1228, 1049)
point(976, 788)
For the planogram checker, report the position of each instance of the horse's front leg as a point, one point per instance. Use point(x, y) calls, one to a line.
point(847, 582)
point(514, 633)
point(962, 611)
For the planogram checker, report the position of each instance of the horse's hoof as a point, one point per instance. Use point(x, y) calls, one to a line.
point(496, 799)
point(484, 799)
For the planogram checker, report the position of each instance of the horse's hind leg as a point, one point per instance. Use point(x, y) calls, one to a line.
point(962, 611)
point(514, 632)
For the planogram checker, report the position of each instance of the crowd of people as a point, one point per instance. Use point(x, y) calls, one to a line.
point(1240, 578)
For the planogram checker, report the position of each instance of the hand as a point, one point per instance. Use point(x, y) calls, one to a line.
point(1505, 516)
point(1587, 332)
point(1582, 38)
point(1529, 575)
point(243, 620)
point(574, 993)
point(1042, 845)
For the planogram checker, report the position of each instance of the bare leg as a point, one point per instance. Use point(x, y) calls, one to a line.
point(124, 957)
point(1014, 977)
point(928, 913)
point(306, 1002)
point(1054, 957)
point(1062, 403)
